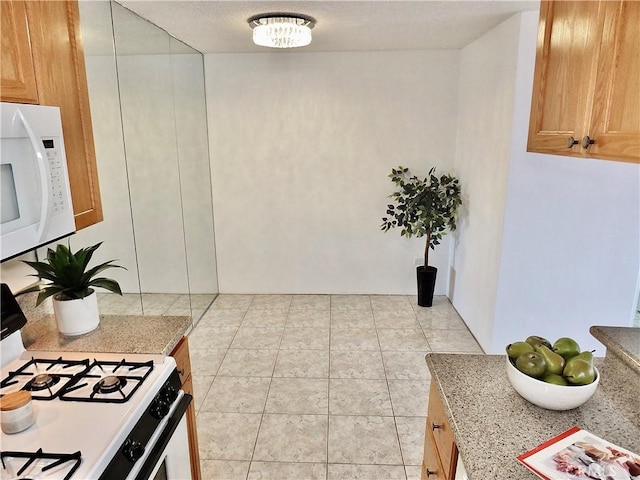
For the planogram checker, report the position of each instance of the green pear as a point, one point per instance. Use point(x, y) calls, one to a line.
point(532, 364)
point(579, 370)
point(555, 379)
point(515, 349)
point(567, 347)
point(535, 340)
point(586, 355)
point(554, 362)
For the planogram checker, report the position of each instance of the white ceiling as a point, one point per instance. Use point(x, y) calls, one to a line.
point(221, 26)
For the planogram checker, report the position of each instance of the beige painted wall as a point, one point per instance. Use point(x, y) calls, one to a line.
point(301, 146)
point(485, 116)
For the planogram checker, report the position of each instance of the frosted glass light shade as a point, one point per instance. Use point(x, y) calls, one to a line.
point(281, 32)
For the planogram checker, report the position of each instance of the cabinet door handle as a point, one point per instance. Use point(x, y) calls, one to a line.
point(181, 372)
point(586, 141)
point(571, 142)
point(430, 472)
point(435, 426)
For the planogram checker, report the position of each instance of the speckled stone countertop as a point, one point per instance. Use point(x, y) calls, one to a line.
point(492, 424)
point(623, 342)
point(115, 334)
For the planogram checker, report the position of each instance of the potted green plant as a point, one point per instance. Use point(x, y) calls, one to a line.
point(71, 284)
point(423, 207)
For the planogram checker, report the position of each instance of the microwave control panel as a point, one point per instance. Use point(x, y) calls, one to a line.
point(56, 167)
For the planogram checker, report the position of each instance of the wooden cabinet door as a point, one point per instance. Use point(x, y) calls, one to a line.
point(438, 429)
point(18, 79)
point(564, 68)
point(196, 473)
point(615, 121)
point(183, 364)
point(58, 58)
point(431, 468)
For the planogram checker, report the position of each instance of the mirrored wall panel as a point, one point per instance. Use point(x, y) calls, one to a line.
point(148, 110)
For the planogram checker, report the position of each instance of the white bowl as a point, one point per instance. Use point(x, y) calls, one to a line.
point(549, 395)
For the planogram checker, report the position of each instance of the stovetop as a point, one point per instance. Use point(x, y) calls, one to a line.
point(74, 416)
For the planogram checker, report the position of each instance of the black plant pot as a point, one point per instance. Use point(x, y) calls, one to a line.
point(426, 285)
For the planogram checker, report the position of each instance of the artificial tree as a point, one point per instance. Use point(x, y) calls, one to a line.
point(423, 207)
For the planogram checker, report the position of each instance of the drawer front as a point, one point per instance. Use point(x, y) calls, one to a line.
point(181, 355)
point(431, 469)
point(438, 426)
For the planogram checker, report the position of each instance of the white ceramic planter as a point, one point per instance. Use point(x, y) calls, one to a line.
point(77, 316)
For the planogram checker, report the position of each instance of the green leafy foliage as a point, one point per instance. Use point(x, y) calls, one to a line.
point(423, 206)
point(67, 275)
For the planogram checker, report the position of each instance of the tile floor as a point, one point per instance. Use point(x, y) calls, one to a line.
point(317, 386)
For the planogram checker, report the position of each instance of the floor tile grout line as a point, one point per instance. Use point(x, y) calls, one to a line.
point(264, 407)
point(215, 375)
point(326, 475)
point(386, 379)
point(423, 332)
point(229, 347)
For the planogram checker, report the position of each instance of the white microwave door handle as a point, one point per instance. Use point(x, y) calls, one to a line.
point(44, 173)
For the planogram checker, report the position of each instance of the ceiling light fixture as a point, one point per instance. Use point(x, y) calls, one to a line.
point(281, 30)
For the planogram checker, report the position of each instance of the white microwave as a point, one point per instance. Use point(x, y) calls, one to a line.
point(35, 197)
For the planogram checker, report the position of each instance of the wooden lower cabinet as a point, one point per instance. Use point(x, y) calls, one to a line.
point(181, 356)
point(440, 450)
point(431, 468)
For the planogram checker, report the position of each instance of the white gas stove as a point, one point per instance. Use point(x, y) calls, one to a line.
point(97, 416)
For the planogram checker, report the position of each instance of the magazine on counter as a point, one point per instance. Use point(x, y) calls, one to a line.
point(578, 455)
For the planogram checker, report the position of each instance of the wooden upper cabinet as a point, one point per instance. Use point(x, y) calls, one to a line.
point(563, 63)
point(586, 89)
point(18, 83)
point(615, 122)
point(55, 45)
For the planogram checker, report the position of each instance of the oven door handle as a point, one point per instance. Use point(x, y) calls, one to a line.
point(158, 449)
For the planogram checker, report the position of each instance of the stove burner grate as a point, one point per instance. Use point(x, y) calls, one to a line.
point(107, 382)
point(39, 376)
point(57, 460)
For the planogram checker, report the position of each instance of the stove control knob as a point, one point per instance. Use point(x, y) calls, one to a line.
point(159, 408)
point(132, 450)
point(169, 393)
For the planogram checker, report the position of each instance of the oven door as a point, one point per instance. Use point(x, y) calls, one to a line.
point(169, 457)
